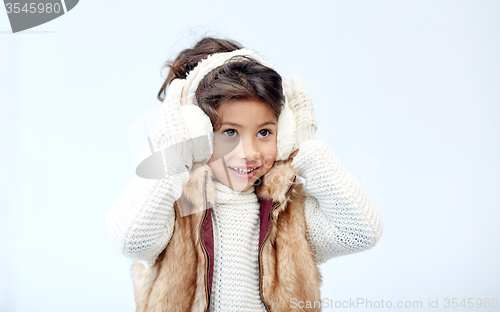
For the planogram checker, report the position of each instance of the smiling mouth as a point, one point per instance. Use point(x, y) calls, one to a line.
point(243, 171)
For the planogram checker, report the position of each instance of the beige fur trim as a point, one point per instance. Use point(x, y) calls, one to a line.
point(156, 290)
point(276, 181)
point(143, 280)
point(193, 192)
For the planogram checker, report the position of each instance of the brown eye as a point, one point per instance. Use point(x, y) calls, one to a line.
point(264, 133)
point(230, 133)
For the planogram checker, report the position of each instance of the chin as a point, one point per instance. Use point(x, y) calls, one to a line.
point(239, 185)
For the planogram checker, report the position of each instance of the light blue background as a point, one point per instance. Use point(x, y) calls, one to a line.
point(407, 94)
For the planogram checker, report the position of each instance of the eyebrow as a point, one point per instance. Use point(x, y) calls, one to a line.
point(238, 125)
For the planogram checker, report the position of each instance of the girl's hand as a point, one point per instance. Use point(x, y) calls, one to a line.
point(183, 130)
point(302, 107)
point(172, 130)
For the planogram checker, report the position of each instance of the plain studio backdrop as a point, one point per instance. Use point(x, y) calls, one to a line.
point(407, 94)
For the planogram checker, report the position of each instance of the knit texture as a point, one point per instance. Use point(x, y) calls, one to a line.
point(173, 131)
point(302, 107)
point(171, 125)
point(236, 224)
point(141, 220)
point(341, 218)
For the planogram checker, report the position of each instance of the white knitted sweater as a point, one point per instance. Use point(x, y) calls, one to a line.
point(341, 218)
point(236, 224)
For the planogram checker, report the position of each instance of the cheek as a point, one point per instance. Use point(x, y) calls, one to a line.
point(217, 168)
point(269, 155)
point(223, 146)
point(272, 149)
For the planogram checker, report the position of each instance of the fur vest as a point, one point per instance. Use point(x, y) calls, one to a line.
point(181, 278)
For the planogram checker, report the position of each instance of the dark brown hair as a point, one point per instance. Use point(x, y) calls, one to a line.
point(241, 78)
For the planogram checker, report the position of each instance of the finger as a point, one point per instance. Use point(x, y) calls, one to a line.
point(288, 90)
point(175, 92)
point(297, 83)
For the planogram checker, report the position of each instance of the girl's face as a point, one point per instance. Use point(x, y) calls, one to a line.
point(245, 144)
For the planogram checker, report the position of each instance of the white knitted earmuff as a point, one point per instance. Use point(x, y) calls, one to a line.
point(198, 122)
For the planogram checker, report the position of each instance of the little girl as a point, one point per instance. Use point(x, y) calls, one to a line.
point(261, 204)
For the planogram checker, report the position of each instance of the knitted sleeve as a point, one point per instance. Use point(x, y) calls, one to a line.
point(341, 218)
point(141, 220)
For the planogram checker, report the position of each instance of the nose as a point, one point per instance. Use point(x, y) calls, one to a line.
point(248, 150)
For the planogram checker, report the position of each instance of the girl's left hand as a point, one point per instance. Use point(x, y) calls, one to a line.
point(301, 105)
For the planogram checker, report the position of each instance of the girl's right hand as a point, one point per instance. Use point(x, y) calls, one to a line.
point(183, 130)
